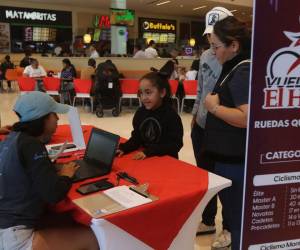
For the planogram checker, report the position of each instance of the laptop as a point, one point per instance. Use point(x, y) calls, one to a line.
point(99, 155)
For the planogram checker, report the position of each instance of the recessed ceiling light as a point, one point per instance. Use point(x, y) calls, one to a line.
point(200, 7)
point(233, 11)
point(163, 3)
point(181, 6)
point(243, 13)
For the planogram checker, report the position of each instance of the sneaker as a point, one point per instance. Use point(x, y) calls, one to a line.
point(223, 240)
point(205, 229)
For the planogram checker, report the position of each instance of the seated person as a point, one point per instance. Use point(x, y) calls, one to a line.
point(30, 181)
point(36, 71)
point(89, 72)
point(156, 125)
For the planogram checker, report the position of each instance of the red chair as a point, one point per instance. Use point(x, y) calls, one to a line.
point(174, 87)
point(26, 84)
point(11, 75)
point(83, 90)
point(190, 90)
point(19, 71)
point(129, 89)
point(52, 85)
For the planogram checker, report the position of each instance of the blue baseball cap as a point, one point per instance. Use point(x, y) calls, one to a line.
point(36, 104)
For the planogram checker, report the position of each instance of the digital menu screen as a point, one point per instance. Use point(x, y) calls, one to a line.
point(39, 34)
point(160, 37)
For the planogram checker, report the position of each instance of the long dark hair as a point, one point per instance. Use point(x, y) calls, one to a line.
point(230, 29)
point(34, 128)
point(169, 67)
point(160, 81)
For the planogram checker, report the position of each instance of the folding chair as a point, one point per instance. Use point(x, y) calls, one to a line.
point(19, 71)
point(129, 89)
point(11, 75)
point(190, 90)
point(26, 84)
point(52, 85)
point(83, 90)
point(174, 86)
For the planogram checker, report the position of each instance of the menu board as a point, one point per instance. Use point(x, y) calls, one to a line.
point(271, 218)
point(39, 34)
point(160, 37)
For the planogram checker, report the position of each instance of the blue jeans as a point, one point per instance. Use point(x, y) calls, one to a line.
point(197, 135)
point(232, 198)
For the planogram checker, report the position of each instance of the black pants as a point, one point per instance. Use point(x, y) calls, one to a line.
point(205, 162)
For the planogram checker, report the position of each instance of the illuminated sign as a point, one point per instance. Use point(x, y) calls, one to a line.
point(28, 16)
point(158, 26)
point(102, 22)
point(25, 15)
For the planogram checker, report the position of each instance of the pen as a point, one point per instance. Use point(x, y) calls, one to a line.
point(125, 176)
point(144, 195)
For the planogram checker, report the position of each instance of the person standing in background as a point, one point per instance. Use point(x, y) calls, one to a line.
point(151, 52)
point(5, 65)
point(139, 52)
point(208, 74)
point(26, 60)
point(94, 53)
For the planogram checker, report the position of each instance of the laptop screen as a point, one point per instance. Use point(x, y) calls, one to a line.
point(101, 147)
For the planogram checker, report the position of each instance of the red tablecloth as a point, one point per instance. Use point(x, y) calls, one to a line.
point(179, 186)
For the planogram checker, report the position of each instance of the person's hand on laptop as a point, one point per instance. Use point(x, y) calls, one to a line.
point(139, 156)
point(119, 153)
point(68, 169)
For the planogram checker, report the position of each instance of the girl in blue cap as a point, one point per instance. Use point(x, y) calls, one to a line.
point(29, 181)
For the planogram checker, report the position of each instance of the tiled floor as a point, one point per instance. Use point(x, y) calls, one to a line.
point(120, 125)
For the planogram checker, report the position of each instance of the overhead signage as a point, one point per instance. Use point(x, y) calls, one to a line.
point(157, 25)
point(32, 15)
point(27, 16)
point(102, 22)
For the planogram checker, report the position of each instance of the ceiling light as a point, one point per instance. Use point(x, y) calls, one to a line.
point(233, 11)
point(163, 3)
point(192, 42)
point(181, 6)
point(87, 38)
point(200, 7)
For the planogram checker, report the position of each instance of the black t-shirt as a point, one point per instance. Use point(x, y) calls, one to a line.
point(239, 85)
point(159, 131)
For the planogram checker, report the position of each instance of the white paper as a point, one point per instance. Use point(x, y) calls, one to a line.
point(58, 152)
point(126, 197)
point(76, 129)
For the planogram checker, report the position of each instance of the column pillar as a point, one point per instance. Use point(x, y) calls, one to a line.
point(118, 33)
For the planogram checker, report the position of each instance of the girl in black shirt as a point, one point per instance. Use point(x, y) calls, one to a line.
point(156, 125)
